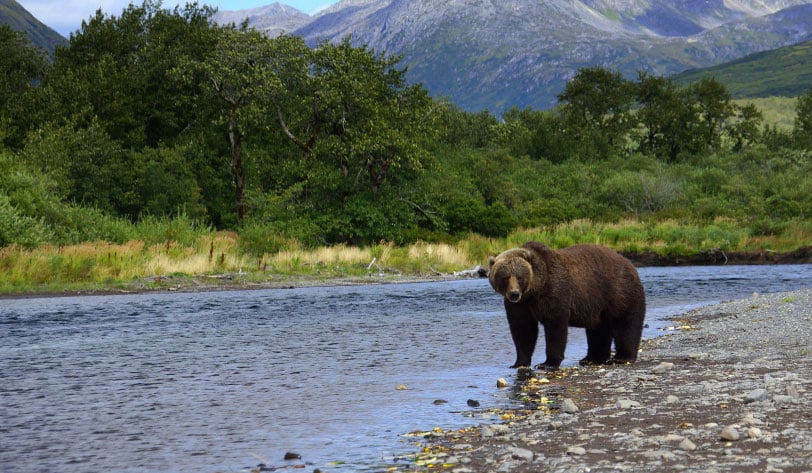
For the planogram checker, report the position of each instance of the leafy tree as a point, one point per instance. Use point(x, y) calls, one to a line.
point(746, 126)
point(119, 70)
point(595, 104)
point(666, 116)
point(376, 121)
point(460, 128)
point(537, 134)
point(21, 66)
point(803, 120)
point(239, 70)
point(712, 101)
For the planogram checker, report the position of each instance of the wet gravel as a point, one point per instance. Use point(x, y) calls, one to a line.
point(727, 390)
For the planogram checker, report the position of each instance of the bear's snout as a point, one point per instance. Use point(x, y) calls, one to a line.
point(514, 296)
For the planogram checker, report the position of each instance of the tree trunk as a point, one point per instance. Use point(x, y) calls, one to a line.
point(235, 139)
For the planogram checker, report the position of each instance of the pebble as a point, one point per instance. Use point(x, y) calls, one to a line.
point(755, 396)
point(501, 383)
point(627, 404)
point(577, 451)
point(473, 403)
point(671, 399)
point(292, 456)
point(729, 433)
point(568, 406)
point(662, 367)
point(522, 454)
point(754, 432)
point(686, 444)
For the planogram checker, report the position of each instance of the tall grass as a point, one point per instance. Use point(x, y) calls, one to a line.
point(205, 253)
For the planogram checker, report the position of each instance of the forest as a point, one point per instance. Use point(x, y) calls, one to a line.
point(158, 122)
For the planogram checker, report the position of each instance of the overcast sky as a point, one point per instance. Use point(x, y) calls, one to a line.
point(65, 16)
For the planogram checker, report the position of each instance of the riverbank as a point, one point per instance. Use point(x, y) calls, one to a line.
point(727, 391)
point(368, 274)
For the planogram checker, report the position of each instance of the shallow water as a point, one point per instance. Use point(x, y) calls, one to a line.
point(223, 381)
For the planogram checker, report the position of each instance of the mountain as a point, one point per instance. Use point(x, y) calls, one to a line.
point(784, 72)
point(494, 54)
point(273, 19)
point(18, 18)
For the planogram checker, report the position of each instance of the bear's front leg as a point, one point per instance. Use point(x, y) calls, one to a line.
point(555, 338)
point(524, 330)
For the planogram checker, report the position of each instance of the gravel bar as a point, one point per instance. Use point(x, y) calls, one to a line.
point(726, 390)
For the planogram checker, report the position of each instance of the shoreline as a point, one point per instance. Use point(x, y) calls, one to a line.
point(226, 282)
point(728, 391)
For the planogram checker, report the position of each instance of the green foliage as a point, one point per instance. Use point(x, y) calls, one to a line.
point(21, 65)
point(159, 125)
point(780, 72)
point(803, 120)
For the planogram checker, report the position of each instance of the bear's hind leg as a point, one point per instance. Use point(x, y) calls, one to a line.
point(627, 340)
point(599, 346)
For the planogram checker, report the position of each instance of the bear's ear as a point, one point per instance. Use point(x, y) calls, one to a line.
point(491, 260)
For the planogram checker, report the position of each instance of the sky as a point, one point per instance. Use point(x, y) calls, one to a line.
point(65, 16)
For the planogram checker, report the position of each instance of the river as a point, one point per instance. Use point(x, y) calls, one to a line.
point(224, 381)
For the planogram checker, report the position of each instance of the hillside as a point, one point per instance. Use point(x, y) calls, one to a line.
point(503, 53)
point(18, 18)
point(785, 72)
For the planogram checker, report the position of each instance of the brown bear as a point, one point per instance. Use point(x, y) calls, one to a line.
point(587, 286)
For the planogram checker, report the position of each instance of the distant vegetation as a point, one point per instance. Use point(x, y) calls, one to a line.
point(784, 72)
point(155, 137)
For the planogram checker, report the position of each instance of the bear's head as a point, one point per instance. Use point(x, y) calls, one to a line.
point(511, 273)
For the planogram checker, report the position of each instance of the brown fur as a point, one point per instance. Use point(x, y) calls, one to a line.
point(586, 286)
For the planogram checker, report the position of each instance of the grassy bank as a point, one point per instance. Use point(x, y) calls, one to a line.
point(221, 258)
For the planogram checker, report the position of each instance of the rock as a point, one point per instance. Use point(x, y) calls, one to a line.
point(782, 399)
point(292, 456)
point(686, 444)
point(473, 403)
point(576, 451)
point(522, 454)
point(437, 402)
point(754, 432)
point(627, 404)
point(755, 396)
point(729, 433)
point(792, 391)
point(486, 432)
point(501, 383)
point(568, 406)
point(401, 387)
point(671, 399)
point(662, 367)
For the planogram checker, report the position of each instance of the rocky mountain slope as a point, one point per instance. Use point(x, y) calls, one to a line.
point(273, 19)
point(494, 54)
point(19, 19)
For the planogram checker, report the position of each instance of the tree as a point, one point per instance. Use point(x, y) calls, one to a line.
point(666, 116)
point(596, 103)
point(375, 120)
point(746, 127)
point(21, 66)
point(712, 101)
point(119, 70)
point(240, 73)
point(803, 121)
